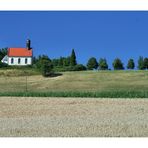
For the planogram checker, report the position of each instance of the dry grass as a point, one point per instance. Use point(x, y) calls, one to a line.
point(78, 81)
point(73, 117)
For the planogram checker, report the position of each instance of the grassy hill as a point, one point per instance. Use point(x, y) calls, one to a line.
point(76, 83)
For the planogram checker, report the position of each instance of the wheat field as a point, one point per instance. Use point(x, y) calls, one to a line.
point(73, 117)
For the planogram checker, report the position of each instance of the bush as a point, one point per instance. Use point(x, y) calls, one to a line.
point(3, 65)
point(47, 68)
point(80, 67)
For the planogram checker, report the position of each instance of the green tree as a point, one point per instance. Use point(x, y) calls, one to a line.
point(80, 67)
point(40, 61)
point(55, 62)
point(145, 63)
point(140, 63)
point(3, 52)
point(92, 63)
point(102, 64)
point(131, 64)
point(117, 64)
point(66, 61)
point(73, 60)
point(61, 62)
point(34, 60)
point(46, 68)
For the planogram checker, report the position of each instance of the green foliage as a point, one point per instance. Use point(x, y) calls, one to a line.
point(73, 60)
point(63, 61)
point(60, 62)
point(46, 68)
point(102, 64)
point(40, 60)
point(34, 60)
point(92, 64)
point(140, 63)
point(66, 61)
point(145, 63)
point(102, 94)
point(80, 67)
point(131, 64)
point(2, 65)
point(55, 62)
point(117, 64)
point(3, 52)
point(44, 64)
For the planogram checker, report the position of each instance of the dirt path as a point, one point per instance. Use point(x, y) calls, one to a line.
point(73, 117)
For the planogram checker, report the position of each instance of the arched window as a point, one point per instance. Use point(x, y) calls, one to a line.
point(25, 60)
point(19, 60)
point(12, 60)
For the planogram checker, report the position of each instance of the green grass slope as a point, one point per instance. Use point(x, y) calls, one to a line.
point(76, 84)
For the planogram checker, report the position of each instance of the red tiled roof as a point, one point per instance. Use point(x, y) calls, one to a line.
point(19, 52)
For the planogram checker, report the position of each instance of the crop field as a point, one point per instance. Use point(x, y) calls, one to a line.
point(111, 83)
point(73, 117)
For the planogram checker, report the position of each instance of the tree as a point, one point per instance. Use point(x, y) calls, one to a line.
point(46, 68)
point(102, 64)
point(66, 61)
point(140, 63)
point(145, 63)
point(131, 64)
point(34, 60)
point(3, 52)
point(55, 62)
point(61, 62)
point(92, 63)
point(41, 60)
point(117, 64)
point(73, 61)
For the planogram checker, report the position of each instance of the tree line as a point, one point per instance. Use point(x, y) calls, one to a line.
point(70, 64)
point(48, 66)
point(117, 64)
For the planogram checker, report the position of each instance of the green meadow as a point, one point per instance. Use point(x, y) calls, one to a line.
point(16, 82)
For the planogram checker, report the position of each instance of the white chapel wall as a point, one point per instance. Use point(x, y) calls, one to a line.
point(22, 60)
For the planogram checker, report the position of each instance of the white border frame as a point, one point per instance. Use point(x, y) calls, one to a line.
point(73, 4)
point(81, 5)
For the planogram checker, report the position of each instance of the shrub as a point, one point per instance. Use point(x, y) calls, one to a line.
point(46, 68)
point(80, 67)
point(3, 65)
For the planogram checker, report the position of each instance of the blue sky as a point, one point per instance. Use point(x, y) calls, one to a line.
point(106, 34)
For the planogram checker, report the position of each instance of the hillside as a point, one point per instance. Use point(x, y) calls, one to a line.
point(87, 81)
